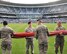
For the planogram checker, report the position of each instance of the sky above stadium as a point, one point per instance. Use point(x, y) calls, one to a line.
point(30, 1)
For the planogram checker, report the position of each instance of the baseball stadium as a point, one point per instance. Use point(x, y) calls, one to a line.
point(19, 14)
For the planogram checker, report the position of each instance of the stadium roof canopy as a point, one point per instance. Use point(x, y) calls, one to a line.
point(44, 3)
point(30, 1)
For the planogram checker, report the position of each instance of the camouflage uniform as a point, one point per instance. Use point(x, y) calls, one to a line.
point(29, 41)
point(59, 41)
point(6, 33)
point(41, 35)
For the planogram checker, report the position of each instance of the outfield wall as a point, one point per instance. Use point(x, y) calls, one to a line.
point(46, 20)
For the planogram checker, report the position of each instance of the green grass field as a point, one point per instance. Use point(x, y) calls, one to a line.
point(18, 45)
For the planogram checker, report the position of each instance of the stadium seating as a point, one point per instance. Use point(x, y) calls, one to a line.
point(33, 13)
